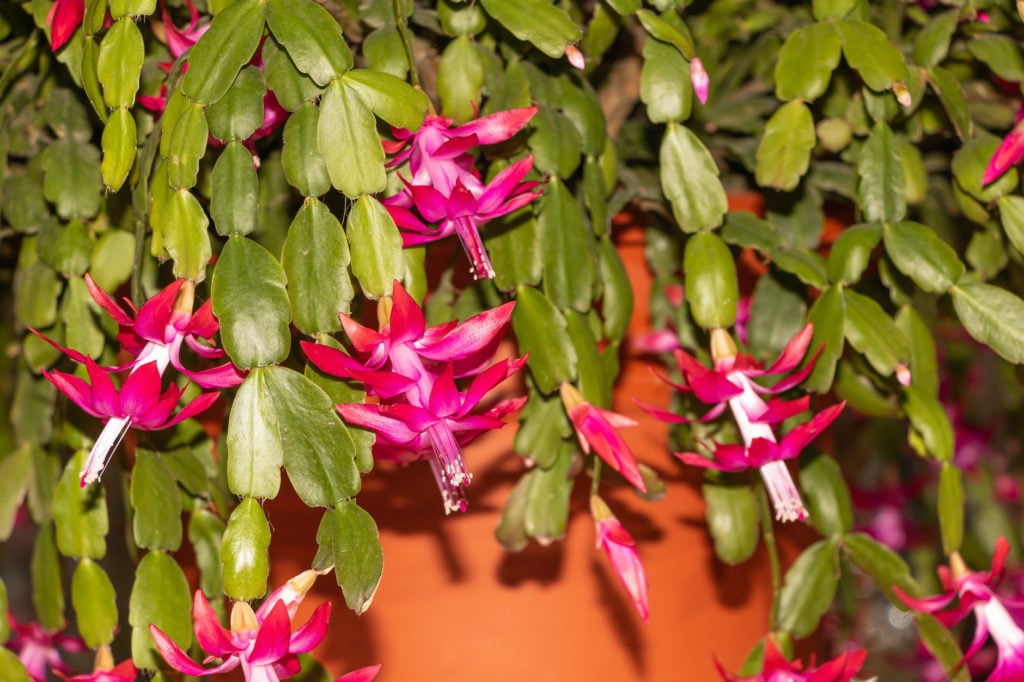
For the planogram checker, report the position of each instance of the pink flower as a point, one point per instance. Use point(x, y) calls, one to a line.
point(1009, 153)
point(994, 615)
point(575, 57)
point(38, 648)
point(730, 384)
point(464, 210)
point(776, 668)
point(179, 41)
point(367, 674)
point(104, 670)
point(437, 429)
point(598, 429)
point(699, 79)
point(620, 547)
point(422, 414)
point(438, 153)
point(157, 331)
point(154, 336)
point(64, 18)
point(260, 641)
point(138, 404)
point(445, 187)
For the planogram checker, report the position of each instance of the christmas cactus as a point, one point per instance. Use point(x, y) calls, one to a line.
point(244, 239)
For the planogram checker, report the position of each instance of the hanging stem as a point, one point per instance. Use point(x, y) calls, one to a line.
point(140, 210)
point(403, 32)
point(768, 533)
point(595, 476)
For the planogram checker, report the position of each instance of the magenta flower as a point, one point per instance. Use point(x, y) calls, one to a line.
point(575, 57)
point(367, 674)
point(776, 668)
point(157, 331)
point(104, 670)
point(445, 187)
point(437, 430)
point(260, 641)
point(1009, 153)
point(64, 18)
point(598, 429)
point(620, 547)
point(699, 79)
point(38, 649)
point(139, 404)
point(412, 369)
point(180, 41)
point(154, 337)
point(730, 384)
point(994, 615)
point(464, 210)
point(438, 153)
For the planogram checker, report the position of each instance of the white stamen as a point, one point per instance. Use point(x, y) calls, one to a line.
point(782, 491)
point(111, 436)
point(448, 467)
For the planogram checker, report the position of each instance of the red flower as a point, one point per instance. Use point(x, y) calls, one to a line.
point(730, 384)
point(154, 336)
point(776, 668)
point(620, 547)
point(446, 189)
point(64, 18)
point(994, 616)
point(412, 368)
point(260, 641)
point(598, 429)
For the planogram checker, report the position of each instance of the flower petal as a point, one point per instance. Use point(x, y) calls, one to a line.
point(155, 314)
point(272, 639)
point(213, 638)
point(367, 674)
point(312, 632)
point(175, 657)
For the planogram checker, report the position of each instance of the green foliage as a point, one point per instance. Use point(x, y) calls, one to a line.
point(867, 128)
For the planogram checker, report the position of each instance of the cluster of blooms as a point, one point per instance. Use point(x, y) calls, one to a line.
point(421, 413)
point(153, 335)
point(730, 384)
point(994, 615)
point(261, 642)
point(445, 187)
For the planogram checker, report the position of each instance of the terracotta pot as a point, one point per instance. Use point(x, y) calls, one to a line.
point(453, 605)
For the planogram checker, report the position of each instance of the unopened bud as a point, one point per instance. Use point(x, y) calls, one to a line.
point(243, 618)
point(186, 297)
point(104, 660)
point(957, 566)
point(599, 509)
point(575, 57)
point(722, 345)
point(571, 398)
point(902, 94)
point(699, 79)
point(903, 374)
